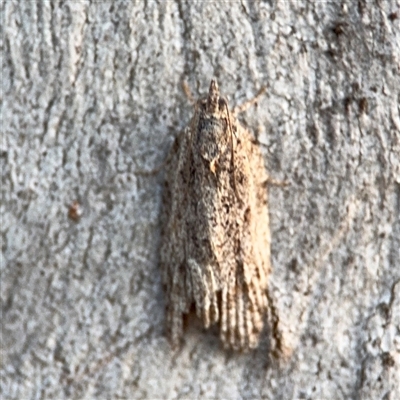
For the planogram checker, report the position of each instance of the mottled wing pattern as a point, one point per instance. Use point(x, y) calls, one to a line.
point(215, 250)
point(174, 236)
point(244, 262)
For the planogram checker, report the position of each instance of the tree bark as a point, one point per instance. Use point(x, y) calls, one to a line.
point(92, 99)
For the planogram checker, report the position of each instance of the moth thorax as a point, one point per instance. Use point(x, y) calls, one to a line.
point(213, 97)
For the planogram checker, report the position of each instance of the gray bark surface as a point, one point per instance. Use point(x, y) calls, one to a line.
point(91, 98)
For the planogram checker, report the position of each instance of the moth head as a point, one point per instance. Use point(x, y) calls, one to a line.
point(214, 103)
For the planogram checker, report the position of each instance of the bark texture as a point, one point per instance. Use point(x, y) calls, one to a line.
point(91, 98)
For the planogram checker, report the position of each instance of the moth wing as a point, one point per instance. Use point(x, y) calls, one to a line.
point(173, 235)
point(246, 270)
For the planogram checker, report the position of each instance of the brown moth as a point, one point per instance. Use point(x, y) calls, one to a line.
point(215, 246)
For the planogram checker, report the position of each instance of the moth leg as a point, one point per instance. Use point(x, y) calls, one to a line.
point(275, 182)
point(247, 104)
point(188, 93)
point(171, 154)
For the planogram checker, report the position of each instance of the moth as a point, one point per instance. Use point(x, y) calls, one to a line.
point(215, 239)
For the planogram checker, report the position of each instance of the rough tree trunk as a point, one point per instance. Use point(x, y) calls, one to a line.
point(91, 98)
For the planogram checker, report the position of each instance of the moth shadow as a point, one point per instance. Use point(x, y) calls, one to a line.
point(263, 355)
